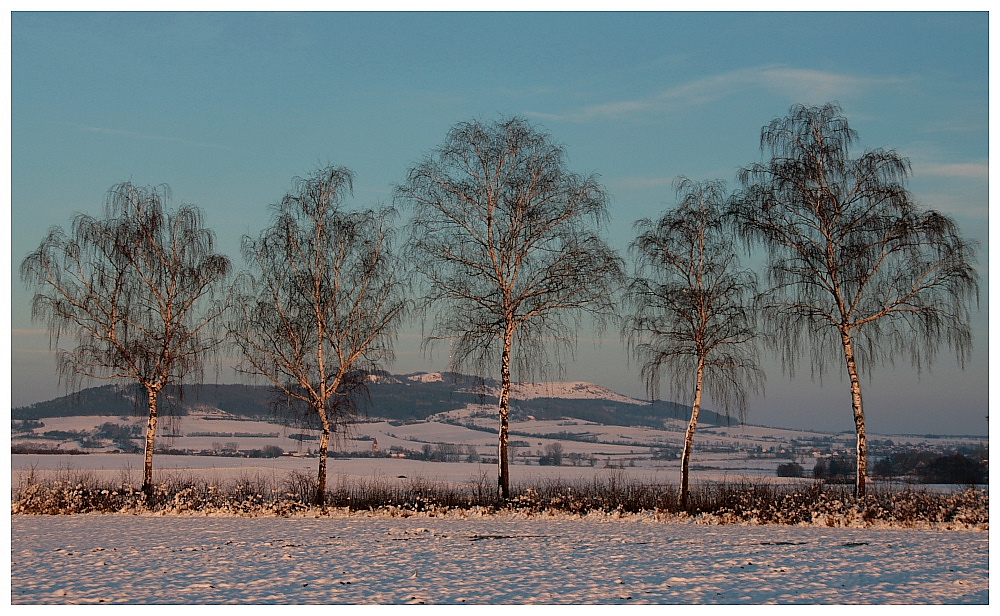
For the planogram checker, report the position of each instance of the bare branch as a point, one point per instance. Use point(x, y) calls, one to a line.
point(136, 291)
point(322, 300)
point(854, 265)
point(501, 235)
point(690, 311)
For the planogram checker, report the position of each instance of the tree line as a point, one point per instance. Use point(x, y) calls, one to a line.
point(958, 467)
point(503, 258)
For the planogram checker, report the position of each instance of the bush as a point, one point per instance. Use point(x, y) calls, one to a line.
point(740, 503)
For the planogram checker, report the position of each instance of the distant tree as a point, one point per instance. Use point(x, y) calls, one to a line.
point(471, 454)
point(955, 468)
point(853, 263)
point(271, 451)
point(690, 311)
point(505, 238)
point(135, 290)
point(886, 467)
point(552, 456)
point(321, 303)
point(835, 469)
point(932, 467)
point(790, 469)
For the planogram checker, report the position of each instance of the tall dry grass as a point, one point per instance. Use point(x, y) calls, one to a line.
point(254, 494)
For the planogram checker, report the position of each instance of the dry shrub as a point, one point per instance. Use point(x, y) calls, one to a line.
point(743, 502)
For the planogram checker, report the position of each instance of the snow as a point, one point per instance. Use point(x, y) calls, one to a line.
point(464, 557)
point(550, 389)
point(128, 467)
point(426, 377)
point(576, 390)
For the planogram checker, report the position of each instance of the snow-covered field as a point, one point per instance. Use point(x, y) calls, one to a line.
point(721, 453)
point(502, 559)
point(128, 467)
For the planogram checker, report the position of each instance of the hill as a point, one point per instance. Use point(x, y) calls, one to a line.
point(394, 397)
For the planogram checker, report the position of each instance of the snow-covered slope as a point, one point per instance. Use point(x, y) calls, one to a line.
point(573, 390)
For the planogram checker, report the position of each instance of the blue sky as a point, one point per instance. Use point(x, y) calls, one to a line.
point(227, 108)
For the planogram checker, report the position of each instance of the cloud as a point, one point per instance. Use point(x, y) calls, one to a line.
point(955, 205)
point(794, 83)
point(16, 352)
point(133, 135)
point(29, 332)
point(969, 171)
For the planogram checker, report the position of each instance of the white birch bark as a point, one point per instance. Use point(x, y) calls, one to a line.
point(860, 486)
point(147, 464)
point(503, 487)
point(689, 435)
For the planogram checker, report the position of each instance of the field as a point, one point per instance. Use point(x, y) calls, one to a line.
point(454, 555)
point(494, 559)
point(450, 556)
point(722, 453)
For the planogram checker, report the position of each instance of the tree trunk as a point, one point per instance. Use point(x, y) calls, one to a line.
point(503, 479)
point(860, 485)
point(324, 446)
point(147, 465)
point(689, 436)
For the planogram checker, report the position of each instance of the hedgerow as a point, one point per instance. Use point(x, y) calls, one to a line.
point(711, 503)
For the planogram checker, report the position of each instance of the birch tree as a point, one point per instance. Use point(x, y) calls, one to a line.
point(506, 240)
point(136, 292)
point(855, 266)
point(320, 303)
point(690, 309)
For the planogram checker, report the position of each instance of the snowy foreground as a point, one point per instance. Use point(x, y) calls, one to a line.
point(472, 559)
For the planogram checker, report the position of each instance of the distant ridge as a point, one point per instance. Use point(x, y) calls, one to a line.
point(415, 396)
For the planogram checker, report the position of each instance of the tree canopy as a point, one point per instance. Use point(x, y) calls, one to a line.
point(506, 241)
point(137, 290)
point(854, 265)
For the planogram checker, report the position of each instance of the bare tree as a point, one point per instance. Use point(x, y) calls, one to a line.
point(135, 290)
point(506, 240)
point(691, 313)
point(854, 264)
point(321, 303)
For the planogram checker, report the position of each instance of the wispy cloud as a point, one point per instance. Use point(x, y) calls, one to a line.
point(795, 83)
point(970, 181)
point(133, 135)
point(29, 332)
point(970, 171)
point(955, 205)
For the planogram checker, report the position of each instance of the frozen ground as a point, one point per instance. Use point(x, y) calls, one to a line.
point(341, 559)
point(128, 467)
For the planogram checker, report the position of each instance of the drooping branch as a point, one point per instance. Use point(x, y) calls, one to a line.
point(136, 289)
point(502, 235)
point(855, 267)
point(321, 302)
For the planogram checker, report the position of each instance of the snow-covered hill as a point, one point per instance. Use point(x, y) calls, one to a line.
point(395, 397)
point(569, 390)
point(572, 390)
